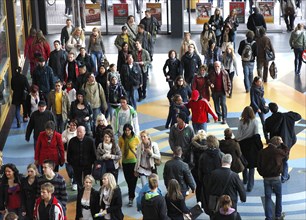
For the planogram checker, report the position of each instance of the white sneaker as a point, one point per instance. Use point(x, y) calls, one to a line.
point(187, 193)
point(74, 187)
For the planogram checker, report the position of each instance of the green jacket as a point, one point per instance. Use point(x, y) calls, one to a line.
point(65, 104)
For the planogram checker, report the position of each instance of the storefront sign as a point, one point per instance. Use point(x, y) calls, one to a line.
point(121, 12)
point(239, 7)
point(93, 14)
point(156, 11)
point(267, 10)
point(203, 12)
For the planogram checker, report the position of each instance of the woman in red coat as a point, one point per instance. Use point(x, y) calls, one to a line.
point(49, 146)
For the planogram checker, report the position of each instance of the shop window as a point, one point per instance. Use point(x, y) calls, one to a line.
point(3, 46)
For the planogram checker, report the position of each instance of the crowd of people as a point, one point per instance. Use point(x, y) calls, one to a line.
point(81, 109)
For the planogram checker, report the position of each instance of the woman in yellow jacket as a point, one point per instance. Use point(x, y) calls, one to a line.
point(128, 144)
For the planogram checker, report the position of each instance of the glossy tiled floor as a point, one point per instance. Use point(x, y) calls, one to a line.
point(288, 91)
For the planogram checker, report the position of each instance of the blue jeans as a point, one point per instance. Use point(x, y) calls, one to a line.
point(95, 112)
point(199, 126)
point(298, 60)
point(131, 97)
point(248, 176)
point(273, 185)
point(248, 68)
point(285, 174)
point(220, 100)
point(96, 58)
point(17, 113)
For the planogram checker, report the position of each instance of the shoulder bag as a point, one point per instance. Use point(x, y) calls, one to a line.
point(195, 212)
point(269, 55)
point(157, 162)
point(273, 70)
point(213, 202)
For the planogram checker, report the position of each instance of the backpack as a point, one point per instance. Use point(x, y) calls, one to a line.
point(38, 50)
point(247, 53)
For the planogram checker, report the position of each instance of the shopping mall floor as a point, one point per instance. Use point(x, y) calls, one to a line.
point(288, 90)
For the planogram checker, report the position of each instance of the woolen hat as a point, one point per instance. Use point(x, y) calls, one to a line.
point(42, 103)
point(195, 95)
point(182, 116)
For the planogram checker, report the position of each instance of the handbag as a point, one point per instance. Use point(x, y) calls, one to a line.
point(98, 169)
point(265, 109)
point(195, 211)
point(213, 201)
point(304, 56)
point(269, 55)
point(243, 161)
point(273, 70)
point(104, 62)
point(157, 162)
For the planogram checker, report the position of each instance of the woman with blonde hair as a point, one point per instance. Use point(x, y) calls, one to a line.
point(101, 126)
point(226, 211)
point(87, 200)
point(110, 198)
point(29, 190)
point(147, 152)
point(216, 22)
point(76, 41)
point(175, 201)
point(96, 48)
point(230, 64)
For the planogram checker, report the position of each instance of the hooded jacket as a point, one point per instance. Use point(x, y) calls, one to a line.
point(153, 206)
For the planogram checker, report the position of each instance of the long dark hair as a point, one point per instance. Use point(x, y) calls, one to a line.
point(14, 169)
point(129, 126)
point(174, 190)
point(176, 82)
point(110, 133)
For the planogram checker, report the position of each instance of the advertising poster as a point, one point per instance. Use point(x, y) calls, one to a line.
point(267, 10)
point(239, 6)
point(92, 14)
point(156, 11)
point(203, 12)
point(121, 12)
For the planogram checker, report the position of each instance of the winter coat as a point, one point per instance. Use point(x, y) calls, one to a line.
point(174, 68)
point(57, 62)
point(225, 80)
point(154, 207)
point(298, 39)
point(200, 110)
point(250, 148)
point(19, 84)
point(43, 77)
point(65, 104)
point(200, 83)
point(174, 110)
point(95, 95)
point(282, 124)
point(190, 64)
point(184, 91)
point(145, 58)
point(81, 153)
point(53, 150)
point(37, 122)
point(177, 169)
point(232, 147)
point(263, 43)
point(257, 98)
point(56, 211)
point(115, 154)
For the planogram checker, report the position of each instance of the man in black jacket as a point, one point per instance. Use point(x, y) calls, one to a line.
point(57, 61)
point(66, 32)
point(191, 63)
point(219, 178)
point(81, 154)
point(282, 124)
point(255, 21)
point(270, 163)
point(38, 120)
point(179, 170)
